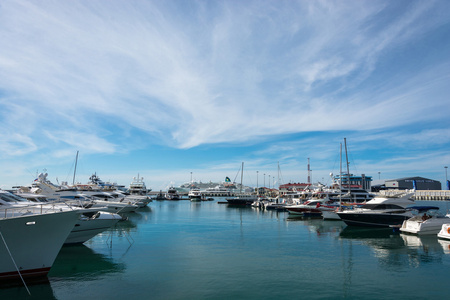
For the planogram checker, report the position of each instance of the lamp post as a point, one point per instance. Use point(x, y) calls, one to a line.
point(446, 167)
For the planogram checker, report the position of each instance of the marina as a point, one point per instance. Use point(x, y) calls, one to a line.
point(126, 126)
point(204, 250)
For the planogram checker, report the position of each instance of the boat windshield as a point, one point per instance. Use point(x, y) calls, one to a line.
point(8, 197)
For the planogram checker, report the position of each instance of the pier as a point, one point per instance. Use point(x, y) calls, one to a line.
point(432, 195)
point(204, 193)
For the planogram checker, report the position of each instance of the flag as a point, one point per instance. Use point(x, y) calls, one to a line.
point(414, 185)
point(227, 179)
point(448, 184)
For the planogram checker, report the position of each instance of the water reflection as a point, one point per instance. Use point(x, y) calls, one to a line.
point(140, 216)
point(422, 249)
point(396, 250)
point(445, 244)
point(80, 263)
point(196, 205)
point(73, 263)
point(39, 289)
point(376, 236)
point(323, 227)
point(292, 217)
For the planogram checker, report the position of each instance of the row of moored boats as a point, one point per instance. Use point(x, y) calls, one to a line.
point(390, 210)
point(42, 217)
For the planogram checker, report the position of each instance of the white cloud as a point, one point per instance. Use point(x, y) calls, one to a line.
point(95, 75)
point(135, 62)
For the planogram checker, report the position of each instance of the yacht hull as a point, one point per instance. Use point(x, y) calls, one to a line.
point(85, 229)
point(372, 219)
point(425, 227)
point(33, 241)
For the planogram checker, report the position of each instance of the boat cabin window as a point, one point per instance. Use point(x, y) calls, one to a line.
point(381, 206)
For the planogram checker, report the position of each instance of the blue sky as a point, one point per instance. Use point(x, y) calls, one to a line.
point(166, 88)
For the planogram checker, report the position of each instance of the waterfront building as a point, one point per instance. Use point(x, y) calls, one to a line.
point(292, 187)
point(362, 182)
point(409, 183)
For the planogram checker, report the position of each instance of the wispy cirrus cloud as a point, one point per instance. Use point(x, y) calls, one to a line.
point(186, 74)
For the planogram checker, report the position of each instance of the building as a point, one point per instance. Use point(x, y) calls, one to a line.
point(409, 183)
point(362, 182)
point(292, 187)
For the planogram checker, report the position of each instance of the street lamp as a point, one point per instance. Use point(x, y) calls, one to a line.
point(446, 167)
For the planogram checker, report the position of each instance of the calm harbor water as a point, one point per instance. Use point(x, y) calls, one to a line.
point(184, 250)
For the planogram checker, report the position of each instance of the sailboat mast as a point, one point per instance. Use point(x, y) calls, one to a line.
point(348, 169)
point(242, 175)
point(340, 176)
point(75, 169)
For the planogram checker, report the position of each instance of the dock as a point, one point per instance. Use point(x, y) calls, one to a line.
point(432, 195)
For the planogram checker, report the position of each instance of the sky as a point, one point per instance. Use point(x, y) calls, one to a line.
point(181, 90)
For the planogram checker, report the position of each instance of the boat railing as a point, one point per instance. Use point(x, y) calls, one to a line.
point(33, 209)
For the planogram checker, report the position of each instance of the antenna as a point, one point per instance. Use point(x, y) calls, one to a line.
point(309, 173)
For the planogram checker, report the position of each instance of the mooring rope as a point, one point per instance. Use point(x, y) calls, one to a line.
point(14, 262)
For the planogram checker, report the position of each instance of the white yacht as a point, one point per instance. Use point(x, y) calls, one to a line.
point(195, 194)
point(30, 241)
point(172, 194)
point(90, 223)
point(379, 212)
point(427, 221)
point(137, 186)
point(83, 200)
point(114, 202)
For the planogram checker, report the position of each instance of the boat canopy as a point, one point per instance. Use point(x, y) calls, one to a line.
point(423, 208)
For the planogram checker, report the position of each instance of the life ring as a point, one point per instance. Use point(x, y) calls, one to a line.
point(448, 230)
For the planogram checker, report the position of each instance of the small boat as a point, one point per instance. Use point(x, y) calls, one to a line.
point(138, 200)
point(195, 194)
point(313, 207)
point(444, 233)
point(91, 224)
point(172, 194)
point(331, 215)
point(160, 196)
point(424, 223)
point(242, 199)
point(275, 206)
